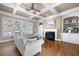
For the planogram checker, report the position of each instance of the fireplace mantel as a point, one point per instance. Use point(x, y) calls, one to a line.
point(51, 30)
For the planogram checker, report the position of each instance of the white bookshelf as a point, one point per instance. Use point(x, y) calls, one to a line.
point(71, 25)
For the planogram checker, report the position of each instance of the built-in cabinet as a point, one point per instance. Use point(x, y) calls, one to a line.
point(71, 38)
point(9, 27)
point(70, 30)
point(71, 25)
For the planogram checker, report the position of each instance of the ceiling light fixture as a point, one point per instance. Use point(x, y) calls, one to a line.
point(33, 8)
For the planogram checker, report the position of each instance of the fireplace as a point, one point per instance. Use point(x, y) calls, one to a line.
point(50, 36)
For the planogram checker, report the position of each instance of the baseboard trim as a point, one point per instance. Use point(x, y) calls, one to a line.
point(71, 42)
point(2, 41)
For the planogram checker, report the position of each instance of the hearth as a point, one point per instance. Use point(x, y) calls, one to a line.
point(50, 36)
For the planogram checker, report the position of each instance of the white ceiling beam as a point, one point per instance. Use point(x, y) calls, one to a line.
point(15, 9)
point(42, 11)
point(11, 15)
point(9, 5)
point(70, 11)
point(53, 10)
point(15, 16)
point(23, 10)
point(51, 7)
point(45, 9)
point(65, 12)
point(18, 8)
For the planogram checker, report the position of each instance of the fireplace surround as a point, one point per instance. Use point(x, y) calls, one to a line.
point(51, 32)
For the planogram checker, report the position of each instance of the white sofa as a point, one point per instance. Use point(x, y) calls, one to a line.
point(28, 48)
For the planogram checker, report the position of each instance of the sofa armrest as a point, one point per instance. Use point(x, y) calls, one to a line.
point(20, 45)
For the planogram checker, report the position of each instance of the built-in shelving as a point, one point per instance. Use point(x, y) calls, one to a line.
point(71, 25)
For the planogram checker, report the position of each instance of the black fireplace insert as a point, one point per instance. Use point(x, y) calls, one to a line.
point(50, 36)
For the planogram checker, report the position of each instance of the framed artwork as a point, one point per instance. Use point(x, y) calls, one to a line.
point(50, 24)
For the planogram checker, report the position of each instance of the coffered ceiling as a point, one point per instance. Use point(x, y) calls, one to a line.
point(46, 9)
point(6, 8)
point(46, 13)
point(23, 14)
point(66, 6)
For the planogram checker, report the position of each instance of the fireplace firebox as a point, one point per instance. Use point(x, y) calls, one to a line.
point(50, 36)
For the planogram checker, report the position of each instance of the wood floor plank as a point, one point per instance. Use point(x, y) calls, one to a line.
point(59, 48)
point(49, 48)
point(9, 49)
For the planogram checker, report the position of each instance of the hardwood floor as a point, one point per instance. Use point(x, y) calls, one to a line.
point(9, 49)
point(59, 48)
point(49, 48)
